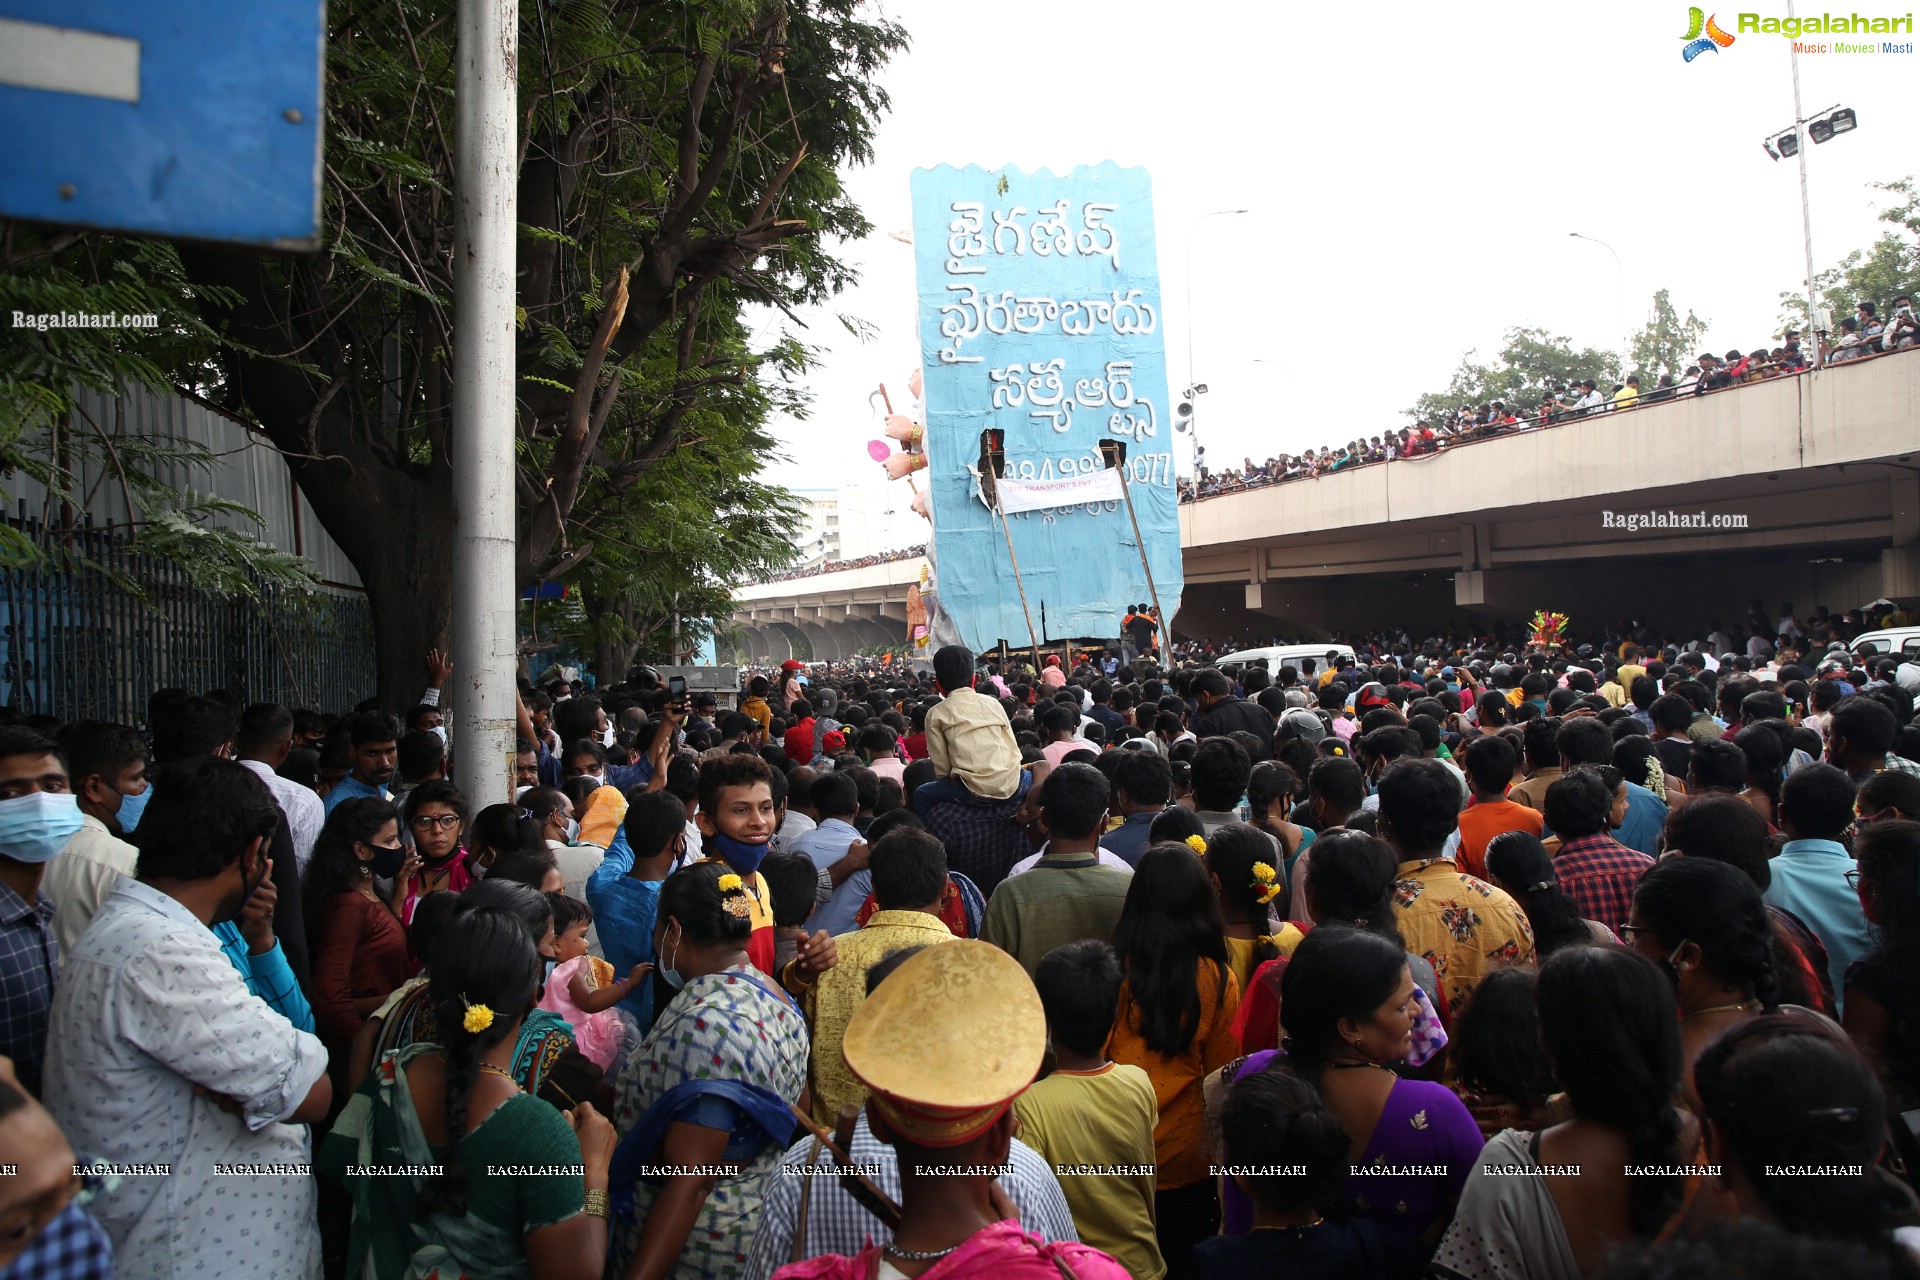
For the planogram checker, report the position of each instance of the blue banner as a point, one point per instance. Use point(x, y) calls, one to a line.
point(1040, 333)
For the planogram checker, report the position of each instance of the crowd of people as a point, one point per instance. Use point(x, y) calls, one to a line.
point(1537, 963)
point(835, 566)
point(1862, 336)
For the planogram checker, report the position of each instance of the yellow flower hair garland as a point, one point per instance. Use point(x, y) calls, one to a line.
point(478, 1018)
point(728, 883)
point(1265, 883)
point(1198, 844)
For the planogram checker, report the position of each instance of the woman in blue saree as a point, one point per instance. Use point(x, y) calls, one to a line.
point(703, 1104)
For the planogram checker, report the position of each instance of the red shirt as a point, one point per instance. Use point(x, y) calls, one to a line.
point(798, 744)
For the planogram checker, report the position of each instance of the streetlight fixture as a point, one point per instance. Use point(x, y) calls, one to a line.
point(1195, 389)
point(1821, 127)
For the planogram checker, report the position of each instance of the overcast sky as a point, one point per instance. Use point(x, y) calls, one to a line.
point(1412, 173)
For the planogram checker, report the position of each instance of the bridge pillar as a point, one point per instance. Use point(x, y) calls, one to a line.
point(1900, 574)
point(1470, 588)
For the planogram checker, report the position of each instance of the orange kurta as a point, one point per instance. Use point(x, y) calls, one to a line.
point(1180, 1136)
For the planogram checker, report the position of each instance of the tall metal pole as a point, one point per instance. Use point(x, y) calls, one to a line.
point(1194, 423)
point(1806, 217)
point(485, 135)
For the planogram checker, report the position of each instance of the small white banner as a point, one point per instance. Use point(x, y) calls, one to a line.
point(1037, 495)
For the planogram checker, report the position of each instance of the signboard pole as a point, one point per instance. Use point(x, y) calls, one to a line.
point(1118, 461)
point(484, 600)
point(1033, 639)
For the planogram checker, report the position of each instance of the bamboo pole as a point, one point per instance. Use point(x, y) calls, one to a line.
point(1033, 637)
point(1126, 491)
point(869, 1196)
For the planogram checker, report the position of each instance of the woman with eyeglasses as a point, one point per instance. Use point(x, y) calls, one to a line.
point(1704, 924)
point(436, 813)
point(1882, 1012)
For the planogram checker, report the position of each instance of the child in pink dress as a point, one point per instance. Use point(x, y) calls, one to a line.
point(582, 988)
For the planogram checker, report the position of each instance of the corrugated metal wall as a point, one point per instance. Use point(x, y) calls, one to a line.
point(75, 645)
point(249, 471)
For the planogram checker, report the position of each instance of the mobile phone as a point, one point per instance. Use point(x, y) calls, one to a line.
point(676, 687)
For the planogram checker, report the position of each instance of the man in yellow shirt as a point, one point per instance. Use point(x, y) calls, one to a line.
point(909, 870)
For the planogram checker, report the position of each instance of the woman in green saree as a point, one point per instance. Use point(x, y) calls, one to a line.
point(521, 1190)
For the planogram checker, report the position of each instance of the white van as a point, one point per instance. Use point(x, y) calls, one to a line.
point(1286, 655)
point(1902, 642)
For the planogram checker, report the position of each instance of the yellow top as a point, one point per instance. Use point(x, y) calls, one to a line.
point(841, 989)
point(1103, 1118)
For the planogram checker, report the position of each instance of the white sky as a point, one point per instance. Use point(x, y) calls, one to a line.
point(1412, 171)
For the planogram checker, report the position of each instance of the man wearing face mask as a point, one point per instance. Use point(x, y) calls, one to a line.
point(108, 767)
point(158, 1055)
point(38, 815)
point(263, 743)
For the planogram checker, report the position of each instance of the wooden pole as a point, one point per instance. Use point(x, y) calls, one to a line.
point(1126, 491)
point(868, 1195)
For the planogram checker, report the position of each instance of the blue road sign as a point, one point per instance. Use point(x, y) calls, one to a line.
point(197, 119)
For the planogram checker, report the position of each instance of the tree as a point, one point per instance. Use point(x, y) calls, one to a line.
point(677, 164)
point(1879, 274)
point(1531, 363)
point(48, 437)
point(1666, 344)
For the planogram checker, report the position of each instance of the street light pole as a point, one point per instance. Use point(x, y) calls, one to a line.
point(485, 137)
point(1806, 217)
point(1193, 424)
point(1620, 287)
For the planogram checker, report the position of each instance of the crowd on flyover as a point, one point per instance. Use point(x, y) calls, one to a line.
point(861, 562)
point(1862, 336)
point(1462, 957)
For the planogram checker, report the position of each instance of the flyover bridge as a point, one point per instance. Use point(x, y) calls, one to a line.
point(1802, 489)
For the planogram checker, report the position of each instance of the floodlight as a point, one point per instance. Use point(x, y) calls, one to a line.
point(1789, 145)
point(1820, 130)
point(1771, 153)
point(1843, 120)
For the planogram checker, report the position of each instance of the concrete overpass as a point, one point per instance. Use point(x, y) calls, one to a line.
point(1809, 489)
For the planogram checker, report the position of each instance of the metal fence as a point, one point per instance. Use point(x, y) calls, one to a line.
point(77, 646)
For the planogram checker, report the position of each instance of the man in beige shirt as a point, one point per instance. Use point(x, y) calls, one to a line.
point(968, 737)
point(1543, 764)
point(108, 766)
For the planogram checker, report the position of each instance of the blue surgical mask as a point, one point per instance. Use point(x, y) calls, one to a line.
point(738, 854)
point(669, 974)
point(131, 807)
point(36, 826)
point(573, 830)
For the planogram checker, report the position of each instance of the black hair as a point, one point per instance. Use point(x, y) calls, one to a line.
point(203, 814)
point(1175, 825)
point(1336, 973)
point(1352, 874)
point(1717, 764)
point(333, 866)
point(792, 881)
point(431, 911)
point(1866, 723)
point(882, 969)
point(1520, 863)
point(1755, 1250)
point(1578, 803)
point(370, 727)
point(835, 795)
point(1715, 907)
point(1608, 1019)
point(692, 895)
point(1169, 925)
point(1079, 985)
point(1490, 762)
point(503, 829)
point(529, 867)
point(542, 802)
point(1818, 801)
point(100, 748)
point(528, 906)
point(723, 772)
point(190, 728)
point(1722, 829)
point(1419, 804)
point(1234, 851)
point(576, 718)
point(909, 869)
point(1074, 800)
point(1496, 1039)
point(1782, 1090)
point(1221, 767)
point(568, 912)
point(1890, 789)
point(1145, 776)
point(439, 791)
point(419, 754)
point(1270, 782)
point(953, 667)
point(1584, 741)
point(1493, 710)
point(483, 959)
point(654, 820)
point(1339, 782)
point(1275, 1122)
point(1765, 754)
point(1888, 854)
